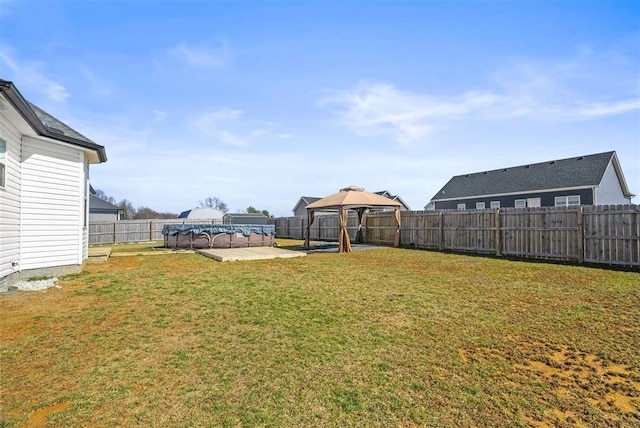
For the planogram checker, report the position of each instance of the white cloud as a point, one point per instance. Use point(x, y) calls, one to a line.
point(599, 110)
point(159, 116)
point(215, 125)
point(588, 86)
point(96, 84)
point(201, 57)
point(382, 109)
point(229, 126)
point(32, 76)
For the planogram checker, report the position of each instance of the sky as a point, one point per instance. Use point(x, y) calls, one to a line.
point(260, 103)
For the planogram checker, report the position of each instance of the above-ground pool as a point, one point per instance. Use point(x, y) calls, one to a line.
point(218, 235)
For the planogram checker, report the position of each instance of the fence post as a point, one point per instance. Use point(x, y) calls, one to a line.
point(115, 234)
point(441, 220)
point(150, 230)
point(580, 235)
point(497, 226)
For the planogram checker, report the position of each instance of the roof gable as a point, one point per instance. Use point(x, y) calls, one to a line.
point(396, 198)
point(95, 203)
point(576, 172)
point(306, 200)
point(45, 125)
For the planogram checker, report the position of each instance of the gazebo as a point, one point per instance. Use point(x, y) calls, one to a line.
point(352, 198)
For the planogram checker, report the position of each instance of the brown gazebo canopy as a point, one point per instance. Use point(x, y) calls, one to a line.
point(354, 198)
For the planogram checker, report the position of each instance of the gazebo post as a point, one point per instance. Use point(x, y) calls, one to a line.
point(344, 245)
point(360, 212)
point(355, 198)
point(308, 228)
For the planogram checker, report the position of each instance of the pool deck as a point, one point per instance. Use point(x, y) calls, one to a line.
point(98, 254)
point(249, 253)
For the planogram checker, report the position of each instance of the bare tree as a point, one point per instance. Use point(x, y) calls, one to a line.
point(148, 213)
point(128, 210)
point(102, 195)
point(214, 202)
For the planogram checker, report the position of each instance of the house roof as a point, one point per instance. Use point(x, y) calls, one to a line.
point(388, 194)
point(577, 172)
point(306, 200)
point(351, 197)
point(96, 203)
point(46, 125)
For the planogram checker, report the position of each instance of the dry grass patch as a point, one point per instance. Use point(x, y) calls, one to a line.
point(377, 338)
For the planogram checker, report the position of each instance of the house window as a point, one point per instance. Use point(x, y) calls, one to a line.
point(462, 206)
point(495, 204)
point(533, 203)
point(3, 162)
point(567, 201)
point(480, 205)
point(521, 203)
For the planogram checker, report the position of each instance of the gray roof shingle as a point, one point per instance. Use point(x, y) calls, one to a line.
point(55, 125)
point(96, 203)
point(46, 125)
point(564, 173)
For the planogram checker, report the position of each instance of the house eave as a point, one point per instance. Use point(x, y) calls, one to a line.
point(22, 106)
point(560, 189)
point(623, 183)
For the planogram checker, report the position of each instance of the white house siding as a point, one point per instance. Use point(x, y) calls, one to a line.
point(84, 204)
point(609, 191)
point(51, 232)
point(10, 203)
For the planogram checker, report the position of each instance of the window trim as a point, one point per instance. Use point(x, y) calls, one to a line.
point(566, 201)
point(481, 205)
point(462, 207)
point(537, 200)
point(494, 204)
point(521, 201)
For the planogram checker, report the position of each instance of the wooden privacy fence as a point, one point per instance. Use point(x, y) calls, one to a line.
point(593, 234)
point(110, 232)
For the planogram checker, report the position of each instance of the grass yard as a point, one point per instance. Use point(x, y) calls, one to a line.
point(376, 338)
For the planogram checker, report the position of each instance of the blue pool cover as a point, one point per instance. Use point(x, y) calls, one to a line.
point(245, 229)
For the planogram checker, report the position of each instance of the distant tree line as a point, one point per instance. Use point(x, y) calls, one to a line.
point(129, 212)
point(252, 210)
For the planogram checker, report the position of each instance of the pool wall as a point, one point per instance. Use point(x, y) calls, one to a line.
point(218, 236)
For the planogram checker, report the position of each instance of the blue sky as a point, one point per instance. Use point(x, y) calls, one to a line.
point(259, 103)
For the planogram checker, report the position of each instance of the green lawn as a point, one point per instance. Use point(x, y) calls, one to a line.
point(385, 337)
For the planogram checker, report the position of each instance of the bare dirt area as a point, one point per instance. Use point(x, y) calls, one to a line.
point(579, 384)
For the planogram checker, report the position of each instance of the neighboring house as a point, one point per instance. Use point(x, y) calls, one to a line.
point(300, 209)
point(44, 191)
point(245, 218)
point(584, 180)
point(101, 210)
point(203, 213)
point(386, 194)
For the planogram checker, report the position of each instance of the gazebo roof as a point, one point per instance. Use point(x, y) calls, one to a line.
point(353, 197)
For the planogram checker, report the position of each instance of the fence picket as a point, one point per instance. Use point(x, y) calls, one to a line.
point(593, 234)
